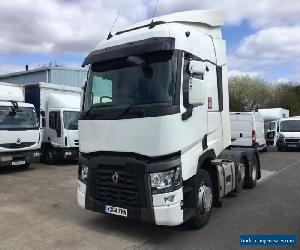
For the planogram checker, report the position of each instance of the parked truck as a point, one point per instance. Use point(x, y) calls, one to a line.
point(154, 129)
point(60, 106)
point(19, 128)
point(272, 117)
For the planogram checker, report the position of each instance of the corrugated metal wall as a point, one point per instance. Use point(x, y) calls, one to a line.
point(62, 76)
point(32, 77)
point(74, 78)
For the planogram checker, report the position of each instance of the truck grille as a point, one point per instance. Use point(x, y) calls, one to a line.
point(292, 140)
point(14, 145)
point(127, 190)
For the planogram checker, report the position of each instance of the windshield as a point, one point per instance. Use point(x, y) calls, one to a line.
point(151, 78)
point(17, 118)
point(290, 126)
point(71, 120)
point(270, 126)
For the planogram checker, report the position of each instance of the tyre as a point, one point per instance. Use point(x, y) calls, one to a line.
point(49, 157)
point(203, 199)
point(26, 165)
point(251, 174)
point(240, 176)
point(265, 149)
point(279, 149)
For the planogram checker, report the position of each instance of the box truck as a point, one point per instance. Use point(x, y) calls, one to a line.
point(271, 117)
point(157, 97)
point(289, 134)
point(61, 108)
point(247, 130)
point(19, 129)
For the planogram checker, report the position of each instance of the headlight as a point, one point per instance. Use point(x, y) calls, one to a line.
point(83, 173)
point(167, 181)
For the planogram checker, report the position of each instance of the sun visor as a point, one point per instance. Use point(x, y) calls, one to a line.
point(131, 49)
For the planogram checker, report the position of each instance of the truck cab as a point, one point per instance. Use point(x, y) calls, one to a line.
point(62, 128)
point(20, 138)
point(155, 123)
point(59, 109)
point(272, 118)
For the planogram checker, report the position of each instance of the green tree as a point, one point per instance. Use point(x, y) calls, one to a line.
point(248, 93)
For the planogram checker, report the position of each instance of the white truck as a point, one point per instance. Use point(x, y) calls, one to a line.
point(271, 117)
point(60, 105)
point(247, 130)
point(289, 134)
point(19, 128)
point(154, 130)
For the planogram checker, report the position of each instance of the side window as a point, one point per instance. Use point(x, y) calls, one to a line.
point(53, 119)
point(212, 88)
point(101, 91)
point(55, 122)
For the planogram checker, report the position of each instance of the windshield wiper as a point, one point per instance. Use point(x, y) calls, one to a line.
point(129, 107)
point(96, 106)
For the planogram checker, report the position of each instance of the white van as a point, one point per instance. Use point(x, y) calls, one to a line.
point(247, 130)
point(289, 134)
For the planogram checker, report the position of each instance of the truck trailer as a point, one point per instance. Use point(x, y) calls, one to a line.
point(60, 106)
point(155, 129)
point(20, 138)
point(272, 118)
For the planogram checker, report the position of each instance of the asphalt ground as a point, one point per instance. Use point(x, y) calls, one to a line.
point(38, 210)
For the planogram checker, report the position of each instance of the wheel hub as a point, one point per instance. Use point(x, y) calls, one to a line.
point(205, 198)
point(242, 172)
point(254, 172)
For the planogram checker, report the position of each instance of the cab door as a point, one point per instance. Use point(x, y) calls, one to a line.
point(54, 128)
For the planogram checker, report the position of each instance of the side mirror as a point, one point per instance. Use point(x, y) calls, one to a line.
point(42, 112)
point(43, 122)
point(196, 92)
point(197, 67)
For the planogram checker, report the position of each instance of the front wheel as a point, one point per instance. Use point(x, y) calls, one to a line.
point(265, 149)
point(203, 199)
point(49, 157)
point(26, 165)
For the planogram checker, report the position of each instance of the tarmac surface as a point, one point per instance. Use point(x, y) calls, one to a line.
point(38, 210)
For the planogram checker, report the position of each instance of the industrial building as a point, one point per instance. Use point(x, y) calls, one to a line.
point(57, 75)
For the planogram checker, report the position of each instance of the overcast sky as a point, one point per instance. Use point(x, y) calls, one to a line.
point(263, 36)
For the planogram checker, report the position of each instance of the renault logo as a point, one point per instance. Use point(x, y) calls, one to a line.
point(19, 141)
point(115, 178)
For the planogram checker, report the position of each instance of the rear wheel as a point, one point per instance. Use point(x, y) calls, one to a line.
point(240, 176)
point(203, 199)
point(251, 174)
point(279, 149)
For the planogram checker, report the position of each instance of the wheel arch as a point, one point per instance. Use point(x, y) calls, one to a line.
point(204, 163)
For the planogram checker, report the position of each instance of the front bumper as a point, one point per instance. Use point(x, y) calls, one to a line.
point(160, 209)
point(288, 145)
point(166, 213)
point(14, 158)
